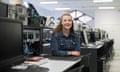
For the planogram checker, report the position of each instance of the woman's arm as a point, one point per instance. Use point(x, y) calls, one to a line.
point(77, 48)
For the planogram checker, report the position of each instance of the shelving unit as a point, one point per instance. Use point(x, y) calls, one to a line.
point(33, 38)
point(37, 31)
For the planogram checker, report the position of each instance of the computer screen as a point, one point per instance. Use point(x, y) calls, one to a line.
point(4, 10)
point(85, 37)
point(30, 35)
point(11, 44)
point(88, 36)
point(92, 37)
point(47, 34)
point(97, 36)
point(25, 36)
point(82, 40)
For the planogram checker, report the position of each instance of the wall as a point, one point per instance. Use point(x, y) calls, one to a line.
point(109, 20)
point(14, 2)
point(5, 1)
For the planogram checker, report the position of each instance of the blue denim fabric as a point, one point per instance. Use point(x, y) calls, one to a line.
point(61, 45)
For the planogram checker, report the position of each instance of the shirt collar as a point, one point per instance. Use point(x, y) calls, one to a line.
point(70, 34)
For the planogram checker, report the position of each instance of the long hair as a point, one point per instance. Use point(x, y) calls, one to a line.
point(59, 27)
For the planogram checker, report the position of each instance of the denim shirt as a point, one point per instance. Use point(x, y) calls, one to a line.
point(61, 44)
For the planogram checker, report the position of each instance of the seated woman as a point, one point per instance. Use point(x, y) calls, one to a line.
point(64, 41)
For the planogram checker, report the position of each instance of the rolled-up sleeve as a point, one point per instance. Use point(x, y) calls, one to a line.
point(55, 47)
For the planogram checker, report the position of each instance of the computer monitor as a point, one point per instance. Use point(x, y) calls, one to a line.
point(25, 36)
point(11, 44)
point(85, 37)
point(4, 10)
point(47, 34)
point(97, 36)
point(30, 35)
point(82, 40)
point(92, 37)
point(88, 36)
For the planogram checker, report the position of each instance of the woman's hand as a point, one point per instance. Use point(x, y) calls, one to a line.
point(74, 53)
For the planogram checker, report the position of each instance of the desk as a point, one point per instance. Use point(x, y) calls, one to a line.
point(94, 55)
point(54, 65)
point(59, 65)
point(97, 52)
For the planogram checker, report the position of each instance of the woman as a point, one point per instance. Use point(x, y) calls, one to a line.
point(64, 41)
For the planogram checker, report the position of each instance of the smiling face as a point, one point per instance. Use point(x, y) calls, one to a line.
point(66, 22)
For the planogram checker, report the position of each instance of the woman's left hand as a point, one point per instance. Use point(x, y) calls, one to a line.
point(75, 53)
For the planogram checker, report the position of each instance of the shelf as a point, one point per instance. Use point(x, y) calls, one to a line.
point(47, 28)
point(35, 27)
point(31, 27)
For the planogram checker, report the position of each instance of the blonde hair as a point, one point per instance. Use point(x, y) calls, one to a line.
point(59, 27)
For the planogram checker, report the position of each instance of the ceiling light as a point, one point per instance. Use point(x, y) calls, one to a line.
point(76, 13)
point(85, 19)
point(106, 7)
point(62, 8)
point(26, 4)
point(97, 1)
point(49, 2)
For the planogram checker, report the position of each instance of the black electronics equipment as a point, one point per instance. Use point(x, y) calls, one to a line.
point(4, 10)
point(37, 21)
point(11, 43)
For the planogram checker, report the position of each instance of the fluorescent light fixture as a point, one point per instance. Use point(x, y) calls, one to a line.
point(106, 7)
point(49, 2)
point(76, 13)
point(25, 4)
point(62, 8)
point(85, 19)
point(98, 1)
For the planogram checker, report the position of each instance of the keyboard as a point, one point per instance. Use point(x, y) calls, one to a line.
point(68, 58)
point(31, 68)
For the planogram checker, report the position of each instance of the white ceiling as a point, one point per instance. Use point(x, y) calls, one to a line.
point(86, 6)
point(75, 4)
